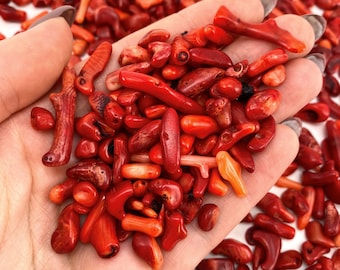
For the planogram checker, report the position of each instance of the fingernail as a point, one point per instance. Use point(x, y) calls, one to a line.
point(268, 6)
point(66, 12)
point(318, 23)
point(319, 59)
point(294, 123)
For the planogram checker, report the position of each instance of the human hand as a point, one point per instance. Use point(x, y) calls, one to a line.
point(27, 218)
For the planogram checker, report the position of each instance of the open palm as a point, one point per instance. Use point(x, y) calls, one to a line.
point(32, 62)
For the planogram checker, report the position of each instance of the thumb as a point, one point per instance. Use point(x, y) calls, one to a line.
point(31, 62)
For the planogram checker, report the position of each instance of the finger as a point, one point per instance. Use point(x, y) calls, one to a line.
point(31, 62)
point(251, 49)
point(296, 91)
point(302, 84)
point(269, 166)
point(187, 19)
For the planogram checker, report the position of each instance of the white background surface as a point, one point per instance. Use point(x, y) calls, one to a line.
point(9, 29)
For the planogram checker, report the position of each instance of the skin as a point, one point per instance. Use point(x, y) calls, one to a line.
point(27, 218)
